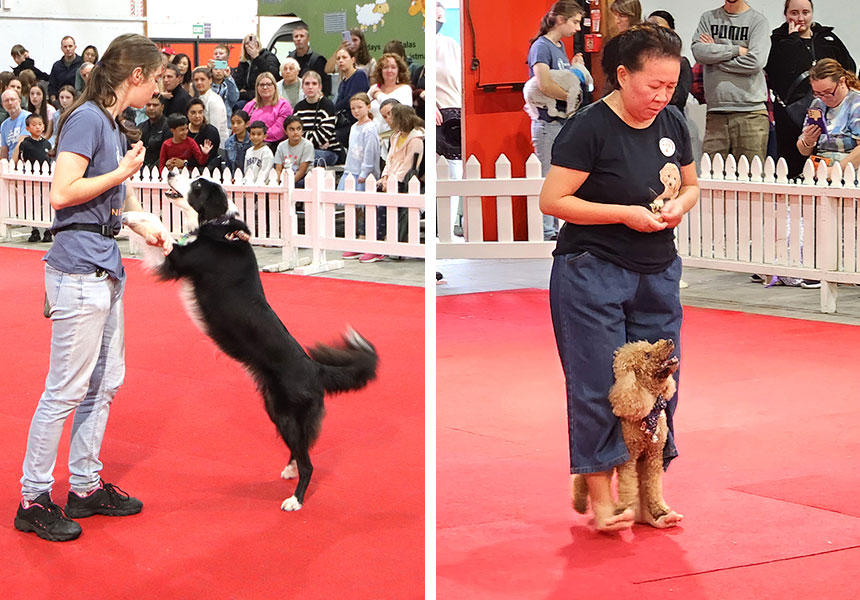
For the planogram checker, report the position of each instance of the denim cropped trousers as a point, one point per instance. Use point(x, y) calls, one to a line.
point(87, 367)
point(597, 307)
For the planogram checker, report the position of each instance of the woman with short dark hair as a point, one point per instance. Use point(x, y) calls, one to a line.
point(616, 272)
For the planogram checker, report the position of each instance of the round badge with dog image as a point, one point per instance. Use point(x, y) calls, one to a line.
point(667, 147)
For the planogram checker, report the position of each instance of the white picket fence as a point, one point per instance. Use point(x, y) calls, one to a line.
point(330, 216)
point(749, 218)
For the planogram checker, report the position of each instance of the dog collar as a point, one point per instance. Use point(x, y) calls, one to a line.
point(649, 423)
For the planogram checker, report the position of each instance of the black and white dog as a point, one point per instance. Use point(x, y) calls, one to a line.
point(225, 297)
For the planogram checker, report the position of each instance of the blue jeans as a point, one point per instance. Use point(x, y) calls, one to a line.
point(597, 307)
point(543, 135)
point(86, 369)
point(325, 158)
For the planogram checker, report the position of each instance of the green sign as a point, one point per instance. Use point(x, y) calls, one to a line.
point(381, 21)
point(197, 29)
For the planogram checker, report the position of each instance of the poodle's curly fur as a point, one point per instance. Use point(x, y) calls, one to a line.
point(643, 371)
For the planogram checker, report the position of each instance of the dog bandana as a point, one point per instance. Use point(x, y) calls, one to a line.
point(649, 423)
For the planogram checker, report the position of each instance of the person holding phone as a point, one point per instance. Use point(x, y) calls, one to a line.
point(837, 99)
point(255, 60)
point(223, 83)
point(354, 40)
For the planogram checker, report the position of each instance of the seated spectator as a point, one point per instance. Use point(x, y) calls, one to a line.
point(406, 151)
point(358, 47)
point(222, 79)
point(12, 129)
point(5, 77)
point(238, 143)
point(295, 152)
point(175, 97)
point(39, 106)
point(392, 81)
point(67, 96)
point(290, 86)
point(179, 149)
point(184, 64)
point(362, 156)
point(23, 61)
point(154, 131)
point(397, 47)
point(255, 60)
point(385, 111)
point(258, 158)
point(352, 82)
point(269, 108)
point(418, 91)
point(837, 102)
point(83, 76)
point(201, 132)
point(34, 149)
point(90, 55)
point(318, 121)
point(64, 70)
point(308, 59)
point(214, 110)
point(28, 80)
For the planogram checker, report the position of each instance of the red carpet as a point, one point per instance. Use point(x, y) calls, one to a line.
point(189, 436)
point(767, 477)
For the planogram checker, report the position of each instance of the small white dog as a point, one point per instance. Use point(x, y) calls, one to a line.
point(567, 80)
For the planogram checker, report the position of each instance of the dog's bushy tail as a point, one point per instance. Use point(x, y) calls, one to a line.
point(349, 366)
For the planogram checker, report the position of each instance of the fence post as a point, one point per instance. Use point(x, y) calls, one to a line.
point(534, 217)
point(315, 226)
point(5, 209)
point(473, 225)
point(828, 240)
point(287, 215)
point(443, 205)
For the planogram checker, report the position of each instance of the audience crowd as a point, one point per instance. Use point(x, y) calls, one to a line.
point(265, 115)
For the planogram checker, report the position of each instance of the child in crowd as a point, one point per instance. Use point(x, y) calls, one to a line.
point(176, 152)
point(259, 158)
point(239, 142)
point(362, 158)
point(294, 152)
point(68, 94)
point(34, 149)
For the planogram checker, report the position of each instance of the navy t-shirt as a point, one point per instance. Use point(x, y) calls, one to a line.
point(89, 132)
point(544, 51)
point(625, 166)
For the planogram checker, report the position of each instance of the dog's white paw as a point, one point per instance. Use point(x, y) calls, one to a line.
point(291, 471)
point(290, 504)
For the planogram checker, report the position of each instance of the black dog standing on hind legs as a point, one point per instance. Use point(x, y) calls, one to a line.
point(225, 297)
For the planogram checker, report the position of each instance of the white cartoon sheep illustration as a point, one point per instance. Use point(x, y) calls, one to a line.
point(371, 15)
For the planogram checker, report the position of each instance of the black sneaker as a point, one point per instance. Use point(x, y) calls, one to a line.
point(47, 236)
point(34, 236)
point(46, 520)
point(107, 499)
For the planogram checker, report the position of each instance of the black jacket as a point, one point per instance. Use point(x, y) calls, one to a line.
point(178, 104)
point(63, 74)
point(313, 61)
point(789, 58)
point(29, 64)
point(153, 136)
point(247, 72)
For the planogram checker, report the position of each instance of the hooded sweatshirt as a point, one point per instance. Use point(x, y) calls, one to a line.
point(733, 83)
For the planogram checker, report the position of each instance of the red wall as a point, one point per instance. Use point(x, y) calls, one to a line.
point(494, 122)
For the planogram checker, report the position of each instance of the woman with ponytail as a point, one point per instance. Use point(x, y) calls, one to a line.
point(837, 101)
point(84, 280)
point(546, 53)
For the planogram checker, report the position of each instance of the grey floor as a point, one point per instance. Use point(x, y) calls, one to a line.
point(408, 271)
point(707, 288)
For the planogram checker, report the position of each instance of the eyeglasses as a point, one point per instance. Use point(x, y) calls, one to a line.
point(829, 94)
point(266, 84)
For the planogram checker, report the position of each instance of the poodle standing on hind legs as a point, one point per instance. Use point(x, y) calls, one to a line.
point(643, 385)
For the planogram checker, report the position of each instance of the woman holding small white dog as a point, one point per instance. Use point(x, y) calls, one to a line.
point(616, 273)
point(546, 53)
point(84, 282)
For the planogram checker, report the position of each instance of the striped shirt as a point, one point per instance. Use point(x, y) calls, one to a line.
point(318, 123)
